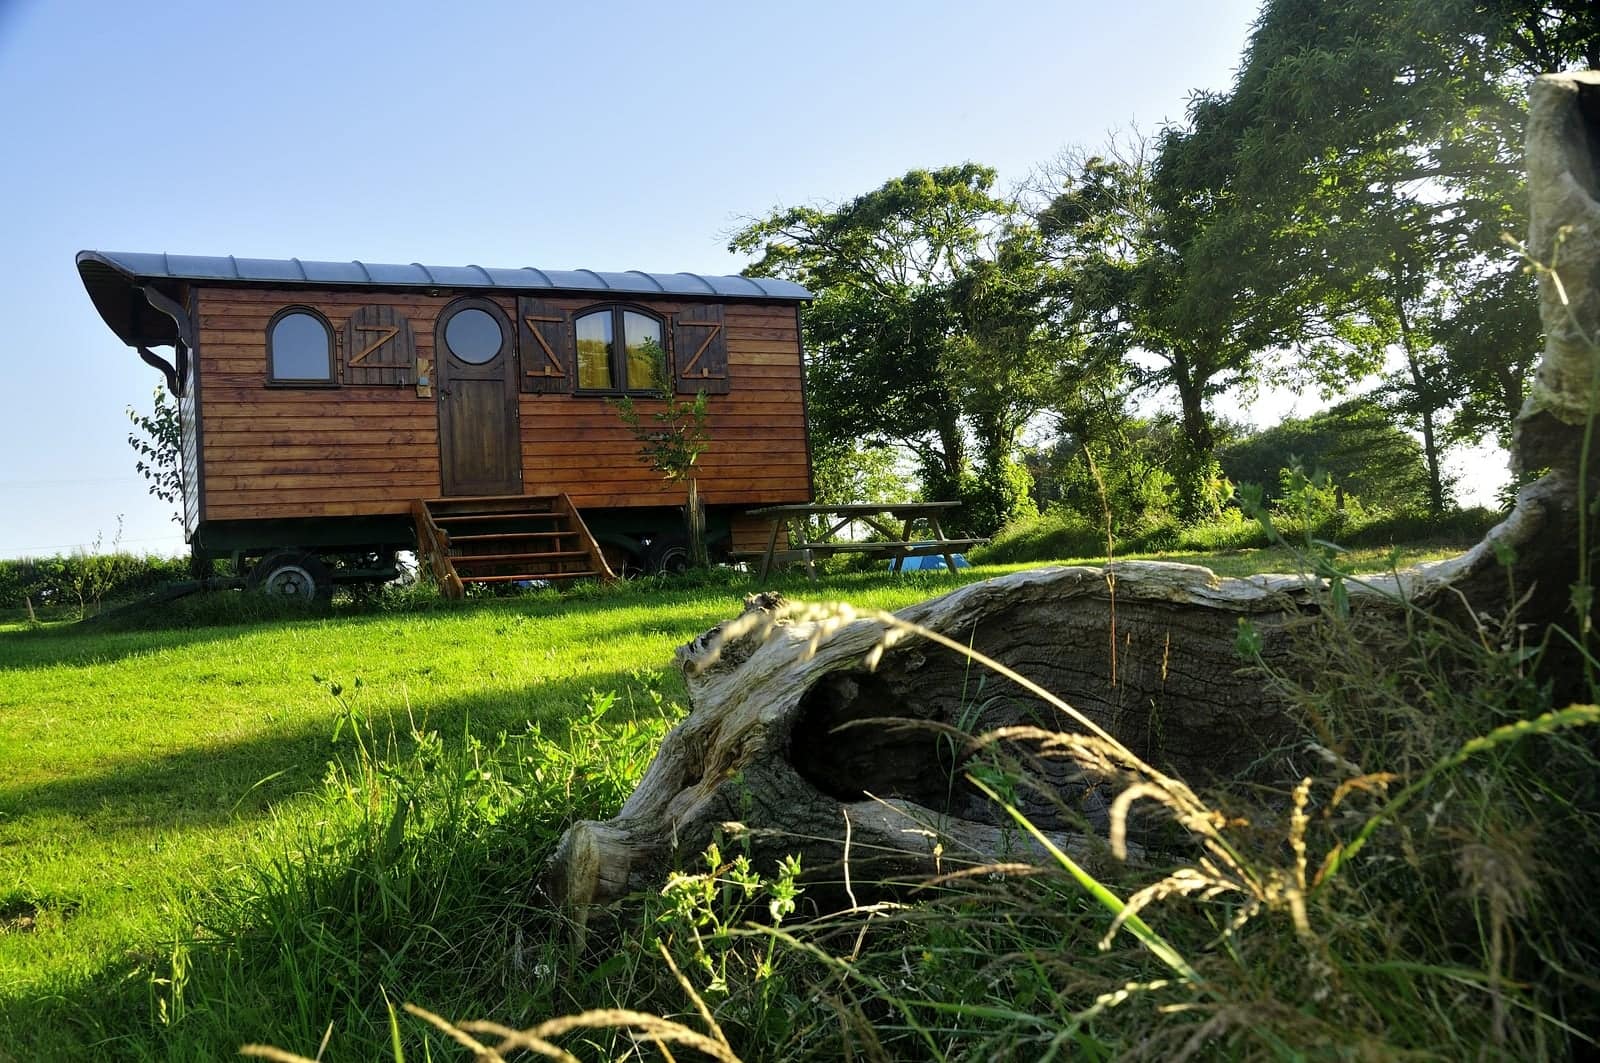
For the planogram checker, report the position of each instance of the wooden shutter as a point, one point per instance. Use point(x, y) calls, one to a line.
point(700, 341)
point(379, 348)
point(544, 334)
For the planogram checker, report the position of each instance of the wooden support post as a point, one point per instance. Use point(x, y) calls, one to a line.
point(772, 546)
point(938, 533)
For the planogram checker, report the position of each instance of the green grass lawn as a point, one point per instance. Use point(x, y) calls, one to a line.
point(142, 768)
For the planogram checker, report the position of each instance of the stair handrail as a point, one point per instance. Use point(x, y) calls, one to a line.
point(434, 543)
point(588, 540)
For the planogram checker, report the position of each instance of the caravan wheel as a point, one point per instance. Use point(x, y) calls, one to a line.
point(669, 556)
point(293, 574)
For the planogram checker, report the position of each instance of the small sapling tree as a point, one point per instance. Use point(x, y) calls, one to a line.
point(157, 439)
point(96, 571)
point(671, 441)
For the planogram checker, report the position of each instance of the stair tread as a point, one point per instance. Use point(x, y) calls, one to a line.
point(530, 576)
point(478, 559)
point(486, 536)
point(462, 518)
point(515, 522)
point(453, 500)
point(496, 500)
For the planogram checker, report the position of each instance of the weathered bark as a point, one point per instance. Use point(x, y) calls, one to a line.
point(786, 744)
point(795, 745)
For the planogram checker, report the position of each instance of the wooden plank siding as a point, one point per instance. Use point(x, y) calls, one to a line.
point(355, 450)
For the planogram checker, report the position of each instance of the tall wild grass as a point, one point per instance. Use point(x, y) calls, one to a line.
point(1414, 885)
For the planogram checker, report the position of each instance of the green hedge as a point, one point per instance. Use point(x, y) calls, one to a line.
point(58, 581)
point(1061, 534)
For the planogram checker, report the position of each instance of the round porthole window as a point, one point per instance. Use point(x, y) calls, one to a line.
point(473, 336)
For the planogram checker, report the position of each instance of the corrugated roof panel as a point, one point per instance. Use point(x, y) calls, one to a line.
point(459, 277)
point(335, 273)
point(514, 278)
point(197, 267)
point(410, 275)
point(578, 280)
point(625, 282)
point(268, 269)
point(742, 286)
point(138, 263)
point(682, 284)
point(140, 266)
point(647, 278)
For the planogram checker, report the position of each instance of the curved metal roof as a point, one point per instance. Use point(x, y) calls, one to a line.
point(114, 280)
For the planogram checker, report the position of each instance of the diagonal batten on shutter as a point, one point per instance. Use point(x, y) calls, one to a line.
point(379, 348)
point(700, 342)
point(545, 337)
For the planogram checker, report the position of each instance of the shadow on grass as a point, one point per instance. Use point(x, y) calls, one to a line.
point(444, 912)
point(311, 957)
point(246, 778)
point(89, 643)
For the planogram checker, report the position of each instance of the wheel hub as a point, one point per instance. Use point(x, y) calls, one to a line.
point(291, 581)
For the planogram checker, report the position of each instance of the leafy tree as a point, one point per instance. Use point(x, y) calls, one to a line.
point(1141, 292)
point(1357, 443)
point(859, 474)
point(1018, 354)
point(934, 327)
point(882, 266)
point(671, 443)
point(157, 439)
point(1369, 155)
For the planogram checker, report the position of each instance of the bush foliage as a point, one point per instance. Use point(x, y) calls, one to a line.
point(81, 580)
point(1061, 533)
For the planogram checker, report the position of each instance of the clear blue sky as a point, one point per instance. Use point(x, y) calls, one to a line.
point(611, 136)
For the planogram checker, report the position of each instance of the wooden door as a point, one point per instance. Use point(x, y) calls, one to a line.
point(480, 452)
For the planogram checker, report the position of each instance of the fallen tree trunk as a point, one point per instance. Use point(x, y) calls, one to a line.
point(796, 745)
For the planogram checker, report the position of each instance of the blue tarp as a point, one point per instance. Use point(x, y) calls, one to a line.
point(930, 561)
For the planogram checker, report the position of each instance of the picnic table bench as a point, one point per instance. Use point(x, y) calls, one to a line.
point(895, 522)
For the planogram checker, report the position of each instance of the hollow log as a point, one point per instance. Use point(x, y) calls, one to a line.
point(826, 739)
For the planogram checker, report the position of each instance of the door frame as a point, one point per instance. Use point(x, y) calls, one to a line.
point(503, 368)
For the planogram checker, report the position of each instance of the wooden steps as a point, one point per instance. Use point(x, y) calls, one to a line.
point(505, 539)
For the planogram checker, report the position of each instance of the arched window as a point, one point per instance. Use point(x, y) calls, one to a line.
point(636, 364)
point(299, 347)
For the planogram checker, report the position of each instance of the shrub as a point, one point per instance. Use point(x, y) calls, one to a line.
point(56, 582)
point(1054, 535)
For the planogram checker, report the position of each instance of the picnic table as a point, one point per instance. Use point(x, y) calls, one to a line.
point(895, 522)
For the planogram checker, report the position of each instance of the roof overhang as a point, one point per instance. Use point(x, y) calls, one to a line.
point(125, 302)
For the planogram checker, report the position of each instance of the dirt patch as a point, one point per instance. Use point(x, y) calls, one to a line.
point(18, 917)
point(22, 915)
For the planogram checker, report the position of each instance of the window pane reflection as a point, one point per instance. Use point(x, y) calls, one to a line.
point(594, 351)
point(473, 336)
point(647, 355)
point(300, 349)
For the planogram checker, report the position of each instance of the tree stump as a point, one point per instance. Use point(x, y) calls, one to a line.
point(796, 745)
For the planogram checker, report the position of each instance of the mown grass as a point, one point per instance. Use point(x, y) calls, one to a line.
point(162, 788)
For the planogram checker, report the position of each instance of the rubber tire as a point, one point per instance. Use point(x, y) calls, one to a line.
point(668, 556)
point(293, 574)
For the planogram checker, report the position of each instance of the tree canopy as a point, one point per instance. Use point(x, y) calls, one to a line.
point(1333, 221)
point(936, 327)
point(1357, 443)
point(1369, 157)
